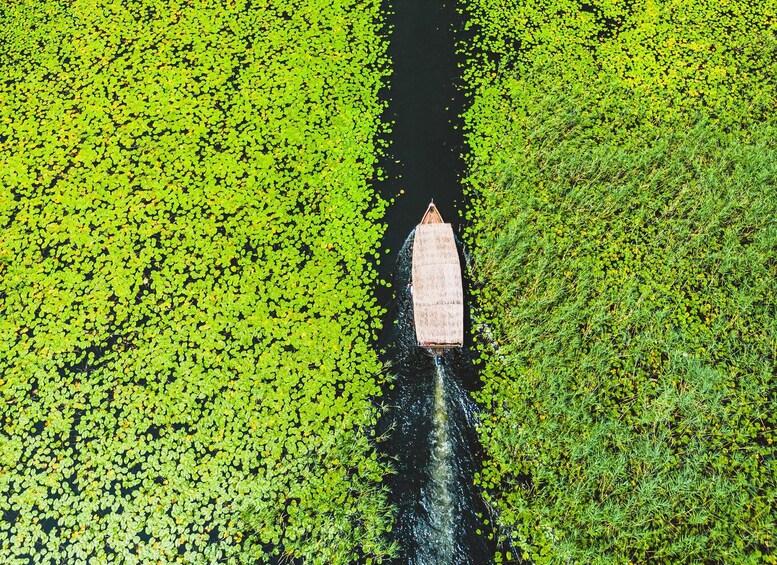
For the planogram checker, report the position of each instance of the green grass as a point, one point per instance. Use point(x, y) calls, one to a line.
point(624, 224)
point(186, 370)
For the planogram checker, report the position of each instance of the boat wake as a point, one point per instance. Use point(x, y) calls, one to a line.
point(437, 494)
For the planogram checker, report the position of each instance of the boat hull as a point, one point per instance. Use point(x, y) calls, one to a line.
point(438, 298)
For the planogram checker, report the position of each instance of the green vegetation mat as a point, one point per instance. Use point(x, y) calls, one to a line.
point(623, 189)
point(188, 233)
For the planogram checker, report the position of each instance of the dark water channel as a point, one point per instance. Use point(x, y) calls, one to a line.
point(424, 102)
point(430, 426)
point(430, 421)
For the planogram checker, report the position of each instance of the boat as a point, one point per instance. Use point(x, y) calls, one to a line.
point(438, 296)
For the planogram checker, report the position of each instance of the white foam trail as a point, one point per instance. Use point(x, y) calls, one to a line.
point(440, 503)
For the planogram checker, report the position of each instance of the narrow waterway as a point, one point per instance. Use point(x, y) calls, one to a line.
point(430, 426)
point(430, 422)
point(424, 160)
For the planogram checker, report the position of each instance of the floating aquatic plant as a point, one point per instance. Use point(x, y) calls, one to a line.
point(188, 226)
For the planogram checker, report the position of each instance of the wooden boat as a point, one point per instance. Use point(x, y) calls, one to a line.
point(438, 297)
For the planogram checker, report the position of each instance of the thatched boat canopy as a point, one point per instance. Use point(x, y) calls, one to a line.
point(438, 297)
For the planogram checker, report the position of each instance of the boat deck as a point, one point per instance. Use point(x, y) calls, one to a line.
point(438, 298)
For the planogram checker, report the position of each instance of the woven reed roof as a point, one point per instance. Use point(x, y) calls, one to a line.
point(438, 299)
